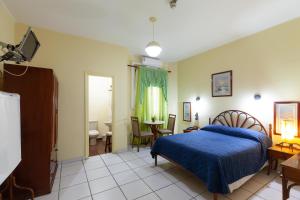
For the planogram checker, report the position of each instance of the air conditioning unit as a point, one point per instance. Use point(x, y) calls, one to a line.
point(153, 62)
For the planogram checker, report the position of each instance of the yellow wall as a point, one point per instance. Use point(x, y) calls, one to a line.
point(7, 29)
point(173, 92)
point(71, 57)
point(267, 63)
point(7, 24)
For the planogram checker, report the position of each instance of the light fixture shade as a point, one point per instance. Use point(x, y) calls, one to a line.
point(288, 130)
point(153, 49)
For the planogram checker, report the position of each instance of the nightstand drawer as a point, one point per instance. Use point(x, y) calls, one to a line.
point(279, 155)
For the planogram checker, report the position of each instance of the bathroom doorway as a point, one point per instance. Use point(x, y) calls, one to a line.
point(99, 96)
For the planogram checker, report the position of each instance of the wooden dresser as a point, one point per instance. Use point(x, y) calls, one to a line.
point(38, 89)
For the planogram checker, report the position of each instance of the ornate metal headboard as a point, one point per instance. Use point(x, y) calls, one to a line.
point(241, 119)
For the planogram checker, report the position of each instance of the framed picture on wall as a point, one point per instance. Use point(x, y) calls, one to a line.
point(187, 116)
point(286, 117)
point(221, 84)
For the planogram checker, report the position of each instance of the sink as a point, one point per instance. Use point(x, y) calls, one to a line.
point(109, 125)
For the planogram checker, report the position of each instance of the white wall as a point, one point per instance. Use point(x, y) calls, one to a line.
point(100, 101)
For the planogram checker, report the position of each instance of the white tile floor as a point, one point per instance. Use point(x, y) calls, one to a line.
point(131, 175)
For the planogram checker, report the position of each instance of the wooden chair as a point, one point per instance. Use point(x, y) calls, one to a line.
point(170, 127)
point(137, 133)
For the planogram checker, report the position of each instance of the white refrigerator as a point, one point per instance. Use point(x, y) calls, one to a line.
point(10, 134)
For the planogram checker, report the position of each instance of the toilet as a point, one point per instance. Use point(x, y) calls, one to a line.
point(93, 132)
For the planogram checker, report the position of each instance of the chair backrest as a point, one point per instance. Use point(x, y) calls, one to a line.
point(135, 126)
point(171, 122)
point(93, 125)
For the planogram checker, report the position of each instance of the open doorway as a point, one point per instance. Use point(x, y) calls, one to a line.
point(99, 114)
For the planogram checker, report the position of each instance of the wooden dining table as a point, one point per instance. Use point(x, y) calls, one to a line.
point(154, 126)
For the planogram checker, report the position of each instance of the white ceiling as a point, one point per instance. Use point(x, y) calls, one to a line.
point(193, 27)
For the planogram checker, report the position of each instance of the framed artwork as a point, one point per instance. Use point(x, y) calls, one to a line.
point(187, 111)
point(221, 84)
point(286, 117)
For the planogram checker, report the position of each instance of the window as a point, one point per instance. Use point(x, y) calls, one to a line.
point(153, 101)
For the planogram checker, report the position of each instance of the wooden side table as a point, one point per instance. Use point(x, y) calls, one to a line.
point(188, 130)
point(290, 172)
point(277, 152)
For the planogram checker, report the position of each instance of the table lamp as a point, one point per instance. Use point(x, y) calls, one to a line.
point(288, 133)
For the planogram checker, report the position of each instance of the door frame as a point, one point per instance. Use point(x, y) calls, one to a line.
point(86, 108)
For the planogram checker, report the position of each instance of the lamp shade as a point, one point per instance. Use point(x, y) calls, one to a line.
point(153, 49)
point(288, 130)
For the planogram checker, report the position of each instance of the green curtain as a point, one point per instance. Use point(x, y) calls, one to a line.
point(151, 95)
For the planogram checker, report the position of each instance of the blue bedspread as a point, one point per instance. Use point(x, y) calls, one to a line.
point(217, 155)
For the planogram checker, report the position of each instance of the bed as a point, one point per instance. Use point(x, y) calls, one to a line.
point(224, 154)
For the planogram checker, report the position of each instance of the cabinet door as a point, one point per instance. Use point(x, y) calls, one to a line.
point(54, 135)
point(36, 90)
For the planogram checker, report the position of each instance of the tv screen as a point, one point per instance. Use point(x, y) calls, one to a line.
point(29, 45)
point(10, 134)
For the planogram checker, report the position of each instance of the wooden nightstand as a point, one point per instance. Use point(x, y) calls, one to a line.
point(190, 130)
point(276, 153)
point(290, 172)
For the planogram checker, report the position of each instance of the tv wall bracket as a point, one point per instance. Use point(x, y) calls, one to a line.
point(11, 53)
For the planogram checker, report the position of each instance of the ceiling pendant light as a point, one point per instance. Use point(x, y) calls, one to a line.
point(153, 48)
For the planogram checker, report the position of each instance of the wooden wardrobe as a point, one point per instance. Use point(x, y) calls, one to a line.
point(38, 89)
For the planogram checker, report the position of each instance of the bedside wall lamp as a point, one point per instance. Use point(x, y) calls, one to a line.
point(257, 96)
point(197, 108)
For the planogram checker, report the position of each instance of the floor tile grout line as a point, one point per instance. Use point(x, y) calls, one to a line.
point(73, 185)
point(120, 171)
point(145, 184)
point(154, 191)
point(60, 189)
point(263, 186)
point(59, 181)
point(106, 190)
point(157, 172)
point(172, 183)
point(142, 179)
point(127, 182)
point(137, 180)
point(114, 178)
point(87, 180)
point(132, 169)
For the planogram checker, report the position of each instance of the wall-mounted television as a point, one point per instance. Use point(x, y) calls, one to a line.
point(10, 134)
point(22, 52)
point(29, 45)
